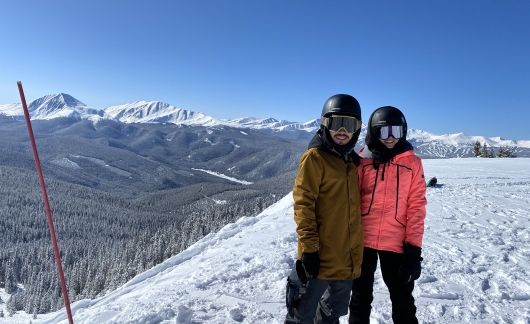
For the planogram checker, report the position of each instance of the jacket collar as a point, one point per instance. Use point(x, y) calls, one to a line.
point(408, 150)
point(318, 142)
point(381, 154)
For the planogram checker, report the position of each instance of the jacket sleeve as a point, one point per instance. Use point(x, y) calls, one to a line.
point(416, 206)
point(305, 193)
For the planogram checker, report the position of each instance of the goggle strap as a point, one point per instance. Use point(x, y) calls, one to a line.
point(324, 121)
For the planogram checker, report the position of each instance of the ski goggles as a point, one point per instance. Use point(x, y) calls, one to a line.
point(395, 131)
point(336, 122)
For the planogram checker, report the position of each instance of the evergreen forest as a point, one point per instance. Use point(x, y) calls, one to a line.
point(107, 238)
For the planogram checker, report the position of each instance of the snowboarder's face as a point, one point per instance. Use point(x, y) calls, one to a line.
point(341, 137)
point(390, 142)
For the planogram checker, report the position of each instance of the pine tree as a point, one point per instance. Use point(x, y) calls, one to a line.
point(487, 153)
point(11, 305)
point(477, 148)
point(505, 152)
point(10, 284)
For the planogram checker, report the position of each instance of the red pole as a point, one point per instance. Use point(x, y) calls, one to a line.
point(47, 208)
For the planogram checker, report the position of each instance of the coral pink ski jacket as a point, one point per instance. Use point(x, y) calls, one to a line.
point(393, 202)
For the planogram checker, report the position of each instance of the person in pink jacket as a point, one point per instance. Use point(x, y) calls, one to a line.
point(393, 208)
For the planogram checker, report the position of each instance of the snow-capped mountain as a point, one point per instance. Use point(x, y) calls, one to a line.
point(157, 112)
point(64, 105)
point(462, 139)
point(459, 145)
point(429, 145)
point(426, 144)
point(11, 109)
point(273, 124)
point(160, 112)
point(54, 106)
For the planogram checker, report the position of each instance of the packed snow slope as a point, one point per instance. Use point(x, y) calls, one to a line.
point(476, 261)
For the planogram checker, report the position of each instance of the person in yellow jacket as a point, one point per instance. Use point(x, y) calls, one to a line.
point(328, 217)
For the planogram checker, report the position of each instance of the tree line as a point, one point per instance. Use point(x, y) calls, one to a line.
point(106, 239)
point(480, 150)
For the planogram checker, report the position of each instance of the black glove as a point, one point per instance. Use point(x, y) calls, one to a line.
point(410, 268)
point(311, 263)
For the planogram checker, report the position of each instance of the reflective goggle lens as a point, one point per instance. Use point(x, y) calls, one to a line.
point(387, 131)
point(349, 123)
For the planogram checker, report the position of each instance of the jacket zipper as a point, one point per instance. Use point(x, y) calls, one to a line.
point(373, 192)
point(348, 216)
point(397, 197)
point(382, 213)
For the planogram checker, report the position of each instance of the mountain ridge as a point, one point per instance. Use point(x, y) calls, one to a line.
point(65, 106)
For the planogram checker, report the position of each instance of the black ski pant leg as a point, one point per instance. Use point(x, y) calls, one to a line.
point(306, 309)
point(362, 289)
point(334, 302)
point(403, 308)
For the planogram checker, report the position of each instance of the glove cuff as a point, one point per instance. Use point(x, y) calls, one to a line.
point(311, 263)
point(310, 257)
point(411, 251)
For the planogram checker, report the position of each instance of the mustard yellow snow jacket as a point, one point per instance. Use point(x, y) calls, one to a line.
point(327, 212)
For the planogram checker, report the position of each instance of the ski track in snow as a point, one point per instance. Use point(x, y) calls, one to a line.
point(220, 175)
point(475, 270)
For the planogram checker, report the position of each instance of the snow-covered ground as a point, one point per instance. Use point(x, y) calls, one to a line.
point(476, 268)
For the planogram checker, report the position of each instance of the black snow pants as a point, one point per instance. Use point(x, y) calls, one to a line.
point(403, 308)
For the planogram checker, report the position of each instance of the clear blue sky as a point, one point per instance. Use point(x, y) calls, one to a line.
point(451, 66)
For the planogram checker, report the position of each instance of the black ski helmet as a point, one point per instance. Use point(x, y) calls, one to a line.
point(384, 116)
point(342, 104)
point(387, 116)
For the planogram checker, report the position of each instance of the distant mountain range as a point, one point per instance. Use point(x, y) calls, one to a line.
point(427, 145)
point(64, 105)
